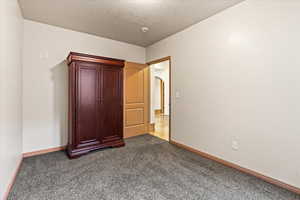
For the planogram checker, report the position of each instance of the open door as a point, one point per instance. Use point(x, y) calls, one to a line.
point(136, 99)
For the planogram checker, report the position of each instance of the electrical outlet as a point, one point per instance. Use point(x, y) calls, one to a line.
point(235, 145)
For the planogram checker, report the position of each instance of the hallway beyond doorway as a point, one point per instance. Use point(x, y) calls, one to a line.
point(161, 129)
point(160, 87)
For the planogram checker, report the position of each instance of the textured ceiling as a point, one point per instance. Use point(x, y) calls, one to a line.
point(122, 19)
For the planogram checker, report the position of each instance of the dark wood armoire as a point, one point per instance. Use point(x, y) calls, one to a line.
point(95, 103)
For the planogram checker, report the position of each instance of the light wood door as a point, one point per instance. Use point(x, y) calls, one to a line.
point(136, 99)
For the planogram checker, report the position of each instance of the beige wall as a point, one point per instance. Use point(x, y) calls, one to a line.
point(11, 28)
point(238, 78)
point(45, 78)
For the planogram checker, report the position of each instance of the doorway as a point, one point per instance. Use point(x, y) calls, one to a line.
point(160, 98)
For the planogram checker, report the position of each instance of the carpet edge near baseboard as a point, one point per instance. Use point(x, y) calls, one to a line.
point(44, 151)
point(237, 167)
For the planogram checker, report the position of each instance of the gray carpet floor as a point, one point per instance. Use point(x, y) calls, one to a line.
point(147, 168)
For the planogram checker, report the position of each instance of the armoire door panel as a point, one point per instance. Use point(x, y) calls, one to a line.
point(87, 104)
point(110, 122)
point(111, 103)
point(111, 83)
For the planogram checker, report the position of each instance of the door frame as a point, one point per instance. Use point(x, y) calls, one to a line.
point(170, 88)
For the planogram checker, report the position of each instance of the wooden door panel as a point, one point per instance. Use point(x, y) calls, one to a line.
point(134, 84)
point(111, 102)
point(136, 99)
point(87, 104)
point(134, 116)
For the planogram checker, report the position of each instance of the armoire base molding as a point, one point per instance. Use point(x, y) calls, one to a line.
point(82, 151)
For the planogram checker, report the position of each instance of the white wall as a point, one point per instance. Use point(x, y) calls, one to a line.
point(156, 94)
point(238, 74)
point(164, 74)
point(45, 78)
point(11, 28)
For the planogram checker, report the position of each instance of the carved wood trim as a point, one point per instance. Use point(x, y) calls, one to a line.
point(73, 56)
